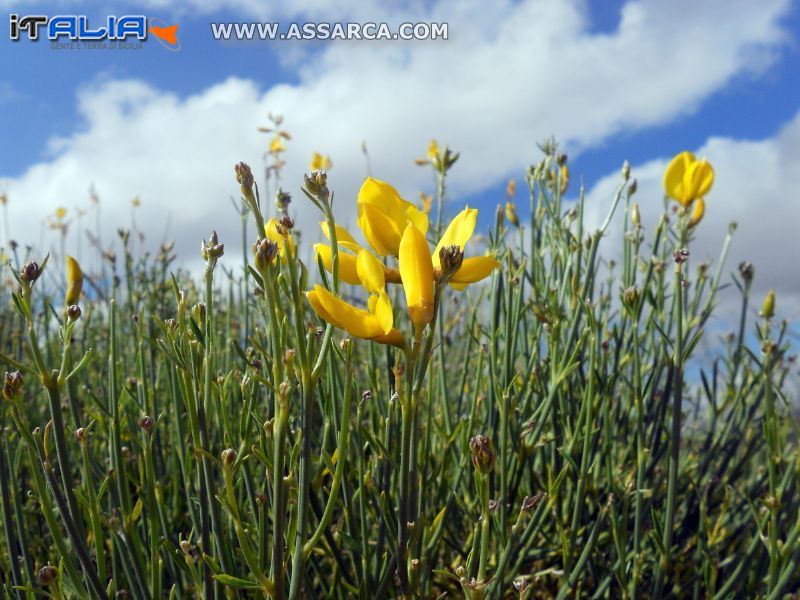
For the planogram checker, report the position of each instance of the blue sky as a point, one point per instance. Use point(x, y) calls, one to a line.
point(38, 90)
point(637, 80)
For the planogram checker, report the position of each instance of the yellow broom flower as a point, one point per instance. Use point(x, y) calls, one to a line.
point(277, 145)
point(348, 271)
point(433, 150)
point(459, 231)
point(74, 282)
point(687, 179)
point(320, 162)
point(355, 321)
point(383, 216)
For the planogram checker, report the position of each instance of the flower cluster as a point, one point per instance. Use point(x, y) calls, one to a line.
point(395, 229)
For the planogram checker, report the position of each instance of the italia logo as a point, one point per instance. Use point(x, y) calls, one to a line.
point(77, 28)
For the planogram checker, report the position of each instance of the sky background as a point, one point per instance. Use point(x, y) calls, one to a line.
point(612, 81)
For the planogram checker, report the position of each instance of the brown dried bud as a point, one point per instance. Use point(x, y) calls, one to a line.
point(80, 434)
point(317, 184)
point(450, 257)
point(12, 385)
point(287, 223)
point(213, 249)
point(228, 456)
point(47, 575)
point(264, 252)
point(244, 177)
point(746, 271)
point(30, 272)
point(681, 256)
point(146, 423)
point(74, 312)
point(366, 395)
point(480, 447)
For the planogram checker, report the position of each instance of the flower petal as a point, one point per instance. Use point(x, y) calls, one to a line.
point(704, 174)
point(458, 232)
point(339, 313)
point(370, 272)
point(673, 176)
point(383, 196)
point(347, 263)
point(381, 307)
point(382, 232)
point(474, 269)
point(698, 210)
point(416, 270)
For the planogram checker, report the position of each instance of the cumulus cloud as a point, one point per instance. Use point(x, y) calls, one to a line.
point(508, 76)
point(754, 187)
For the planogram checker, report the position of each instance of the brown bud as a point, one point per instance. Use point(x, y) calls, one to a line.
point(681, 255)
point(74, 312)
point(264, 252)
point(30, 272)
point(80, 434)
point(450, 257)
point(480, 447)
point(228, 456)
point(47, 575)
point(12, 385)
point(146, 423)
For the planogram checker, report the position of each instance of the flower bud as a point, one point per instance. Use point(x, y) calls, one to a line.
point(47, 575)
point(244, 177)
point(635, 217)
point(746, 271)
point(228, 456)
point(480, 447)
point(768, 307)
point(12, 386)
point(74, 282)
point(626, 170)
point(146, 423)
point(511, 213)
point(213, 249)
point(264, 252)
point(317, 184)
point(450, 257)
point(30, 272)
point(73, 312)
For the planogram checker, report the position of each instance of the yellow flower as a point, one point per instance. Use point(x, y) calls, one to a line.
point(136, 202)
point(61, 212)
point(433, 150)
point(458, 233)
point(320, 162)
point(383, 216)
point(687, 179)
point(277, 145)
point(275, 232)
point(348, 271)
point(511, 213)
point(355, 321)
point(416, 270)
point(74, 282)
point(698, 210)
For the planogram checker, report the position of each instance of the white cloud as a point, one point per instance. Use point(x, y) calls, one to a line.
point(508, 77)
point(754, 187)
